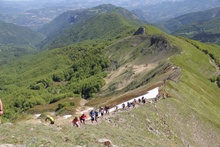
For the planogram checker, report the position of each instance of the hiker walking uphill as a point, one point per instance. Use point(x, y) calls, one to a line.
point(96, 115)
point(83, 118)
point(76, 122)
point(101, 111)
point(51, 119)
point(92, 115)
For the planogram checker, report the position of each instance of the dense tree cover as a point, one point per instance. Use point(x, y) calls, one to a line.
point(53, 75)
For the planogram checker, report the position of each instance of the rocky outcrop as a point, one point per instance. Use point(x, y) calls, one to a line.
point(140, 31)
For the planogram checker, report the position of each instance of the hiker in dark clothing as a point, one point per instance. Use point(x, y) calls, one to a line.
point(128, 105)
point(92, 115)
point(101, 111)
point(96, 116)
point(123, 106)
point(143, 100)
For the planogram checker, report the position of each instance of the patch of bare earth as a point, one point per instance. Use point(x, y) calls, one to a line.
point(137, 69)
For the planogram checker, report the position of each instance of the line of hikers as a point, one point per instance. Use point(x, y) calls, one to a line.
point(94, 114)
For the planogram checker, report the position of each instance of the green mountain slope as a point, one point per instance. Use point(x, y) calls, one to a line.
point(202, 26)
point(16, 35)
point(104, 21)
point(189, 117)
point(16, 41)
point(110, 72)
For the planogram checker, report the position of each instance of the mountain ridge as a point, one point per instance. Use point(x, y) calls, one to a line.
point(75, 26)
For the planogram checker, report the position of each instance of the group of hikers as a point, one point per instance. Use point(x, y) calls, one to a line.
point(95, 114)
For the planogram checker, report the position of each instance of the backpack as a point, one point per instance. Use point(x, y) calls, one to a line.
point(92, 113)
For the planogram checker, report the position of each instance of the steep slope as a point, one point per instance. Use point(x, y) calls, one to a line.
point(202, 26)
point(104, 21)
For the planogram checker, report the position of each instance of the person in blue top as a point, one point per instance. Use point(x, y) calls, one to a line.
point(92, 115)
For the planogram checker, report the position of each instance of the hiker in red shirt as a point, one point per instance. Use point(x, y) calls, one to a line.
point(76, 122)
point(83, 118)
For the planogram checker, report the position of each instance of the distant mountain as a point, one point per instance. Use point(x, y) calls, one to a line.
point(170, 9)
point(103, 21)
point(34, 14)
point(11, 34)
point(202, 26)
